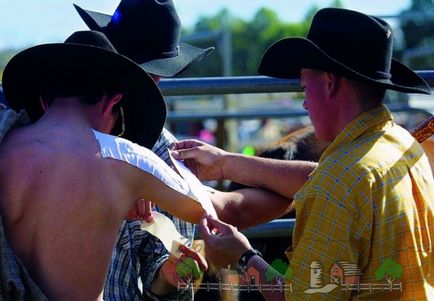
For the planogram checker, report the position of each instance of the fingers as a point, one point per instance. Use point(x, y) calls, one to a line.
point(183, 144)
point(184, 154)
point(190, 265)
point(210, 227)
point(134, 212)
point(148, 211)
point(140, 205)
point(202, 264)
point(221, 227)
point(187, 149)
point(141, 210)
point(203, 226)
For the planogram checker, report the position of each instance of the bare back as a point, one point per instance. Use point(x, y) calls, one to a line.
point(57, 197)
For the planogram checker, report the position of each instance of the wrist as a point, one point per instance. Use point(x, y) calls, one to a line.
point(160, 286)
point(247, 256)
point(228, 160)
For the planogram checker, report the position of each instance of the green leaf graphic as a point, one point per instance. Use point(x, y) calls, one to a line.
point(389, 270)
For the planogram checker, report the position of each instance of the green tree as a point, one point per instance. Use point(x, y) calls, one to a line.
point(5, 56)
point(417, 24)
point(249, 39)
point(390, 270)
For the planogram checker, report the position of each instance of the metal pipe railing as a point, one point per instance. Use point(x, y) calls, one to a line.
point(275, 228)
point(242, 84)
point(281, 113)
point(226, 85)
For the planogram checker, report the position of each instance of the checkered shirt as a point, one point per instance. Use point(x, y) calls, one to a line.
point(138, 255)
point(366, 216)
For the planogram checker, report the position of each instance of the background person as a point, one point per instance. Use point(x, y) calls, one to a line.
point(369, 202)
point(148, 32)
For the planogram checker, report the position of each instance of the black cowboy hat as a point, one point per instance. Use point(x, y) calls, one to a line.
point(148, 32)
point(347, 43)
point(87, 57)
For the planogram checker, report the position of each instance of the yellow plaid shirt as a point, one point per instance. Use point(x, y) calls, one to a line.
point(365, 218)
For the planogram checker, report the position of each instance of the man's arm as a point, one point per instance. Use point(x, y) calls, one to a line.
point(166, 189)
point(211, 163)
point(225, 245)
point(249, 207)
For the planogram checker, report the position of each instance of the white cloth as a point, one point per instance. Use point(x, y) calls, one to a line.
point(142, 158)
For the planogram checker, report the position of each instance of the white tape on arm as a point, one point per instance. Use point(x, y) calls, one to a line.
point(198, 191)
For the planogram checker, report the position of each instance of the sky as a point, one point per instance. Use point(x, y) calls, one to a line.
point(24, 23)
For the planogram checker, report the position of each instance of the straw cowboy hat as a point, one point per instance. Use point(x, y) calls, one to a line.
point(87, 58)
point(148, 32)
point(347, 43)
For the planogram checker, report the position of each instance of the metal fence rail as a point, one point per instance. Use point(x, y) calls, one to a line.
point(282, 113)
point(241, 85)
point(275, 228)
point(249, 85)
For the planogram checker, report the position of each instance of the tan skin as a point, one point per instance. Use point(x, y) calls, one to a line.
point(60, 198)
point(332, 102)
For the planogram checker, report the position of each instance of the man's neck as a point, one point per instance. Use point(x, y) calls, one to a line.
point(66, 110)
point(348, 106)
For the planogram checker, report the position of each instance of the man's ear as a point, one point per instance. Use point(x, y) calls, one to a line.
point(110, 102)
point(332, 83)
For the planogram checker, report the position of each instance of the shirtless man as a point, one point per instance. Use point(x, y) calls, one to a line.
point(62, 178)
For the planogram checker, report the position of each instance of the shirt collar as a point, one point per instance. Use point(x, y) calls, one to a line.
point(376, 117)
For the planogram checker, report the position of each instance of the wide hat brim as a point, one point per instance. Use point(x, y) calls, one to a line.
point(142, 101)
point(286, 57)
point(164, 67)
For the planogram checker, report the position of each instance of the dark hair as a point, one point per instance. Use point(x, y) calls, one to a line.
point(370, 95)
point(89, 88)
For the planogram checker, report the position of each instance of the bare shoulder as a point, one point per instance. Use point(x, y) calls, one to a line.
point(25, 148)
point(43, 166)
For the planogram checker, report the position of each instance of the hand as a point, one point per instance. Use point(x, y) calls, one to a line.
point(204, 160)
point(185, 269)
point(224, 243)
point(142, 211)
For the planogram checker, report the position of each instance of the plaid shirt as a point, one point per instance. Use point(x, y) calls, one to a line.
point(138, 255)
point(366, 215)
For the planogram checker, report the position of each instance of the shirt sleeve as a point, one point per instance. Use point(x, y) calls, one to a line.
point(164, 142)
point(332, 240)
